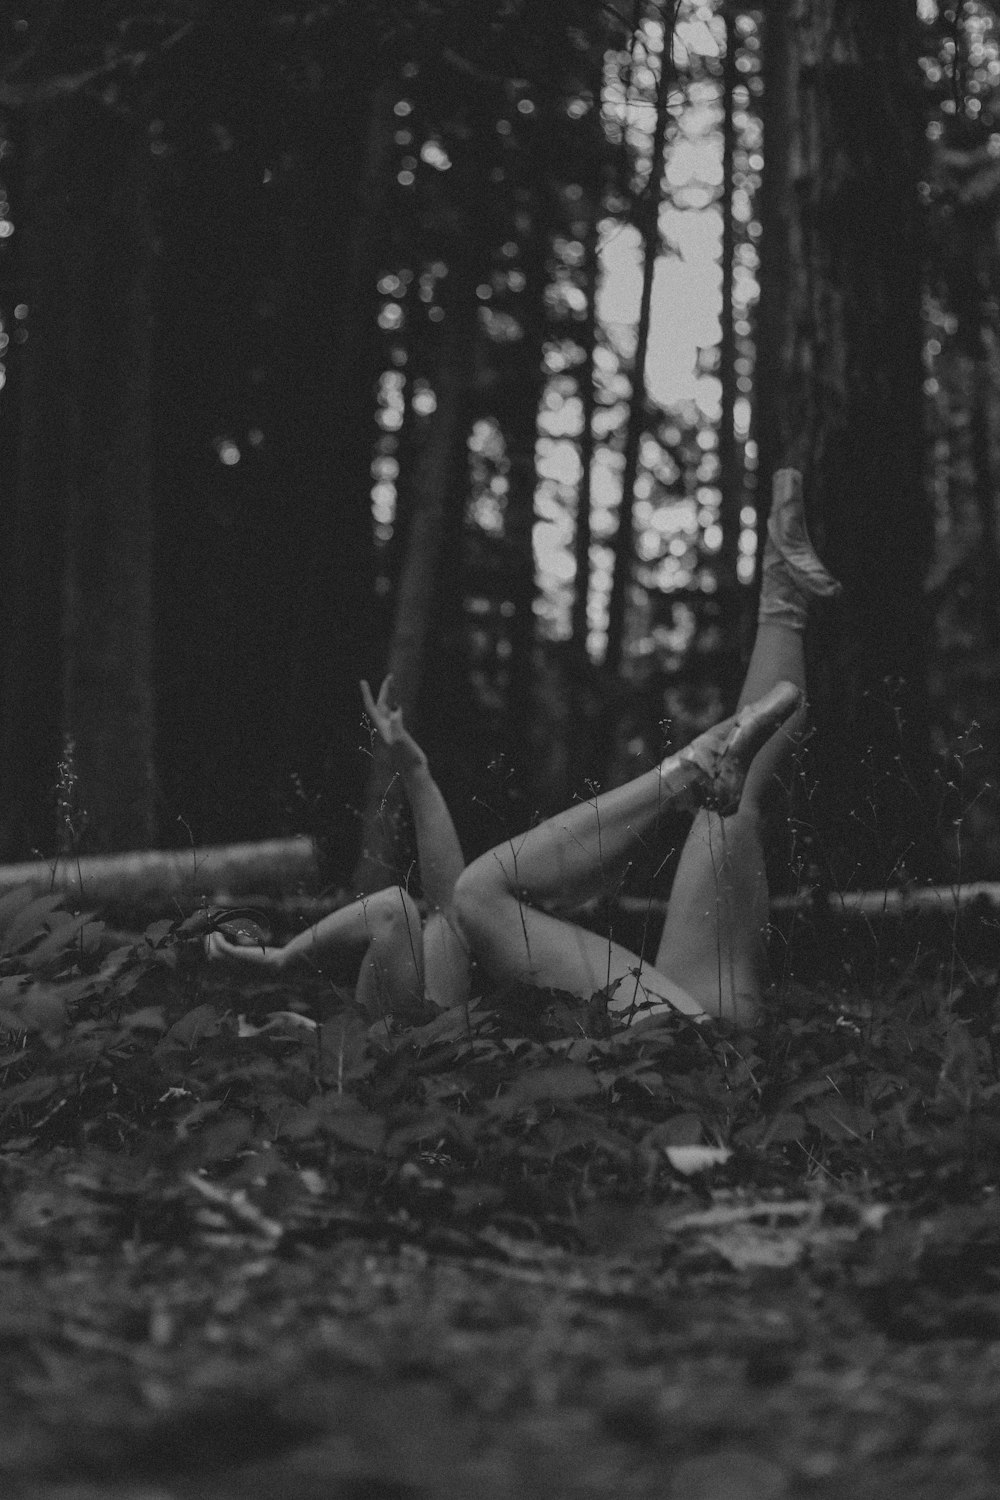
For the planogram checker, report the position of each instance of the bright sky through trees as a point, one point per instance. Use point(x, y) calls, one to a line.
point(685, 328)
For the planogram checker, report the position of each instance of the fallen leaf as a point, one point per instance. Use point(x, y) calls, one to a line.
point(689, 1160)
point(355, 1127)
point(752, 1247)
point(194, 1025)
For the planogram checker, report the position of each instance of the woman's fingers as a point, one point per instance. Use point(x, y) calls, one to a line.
point(371, 708)
point(376, 709)
point(387, 719)
point(384, 714)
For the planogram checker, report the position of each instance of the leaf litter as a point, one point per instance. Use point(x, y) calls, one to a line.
point(255, 1241)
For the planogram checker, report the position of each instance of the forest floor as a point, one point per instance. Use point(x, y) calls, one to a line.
point(253, 1244)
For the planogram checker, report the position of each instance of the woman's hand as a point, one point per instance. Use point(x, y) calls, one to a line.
point(387, 718)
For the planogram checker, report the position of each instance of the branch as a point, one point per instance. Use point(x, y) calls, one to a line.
point(22, 95)
point(462, 64)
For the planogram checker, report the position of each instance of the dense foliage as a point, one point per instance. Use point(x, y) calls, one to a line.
point(528, 1103)
point(255, 1232)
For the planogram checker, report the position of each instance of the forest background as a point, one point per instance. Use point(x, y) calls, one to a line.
point(463, 340)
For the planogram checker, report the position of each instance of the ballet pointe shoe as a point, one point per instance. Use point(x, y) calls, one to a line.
point(724, 754)
point(792, 574)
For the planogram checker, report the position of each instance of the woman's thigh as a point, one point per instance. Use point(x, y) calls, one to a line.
point(515, 942)
point(446, 963)
point(392, 970)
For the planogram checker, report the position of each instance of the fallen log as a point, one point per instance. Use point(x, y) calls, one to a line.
point(888, 902)
point(276, 870)
point(939, 898)
point(272, 867)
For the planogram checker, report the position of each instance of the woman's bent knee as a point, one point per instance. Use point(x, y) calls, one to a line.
point(387, 902)
point(390, 910)
point(476, 893)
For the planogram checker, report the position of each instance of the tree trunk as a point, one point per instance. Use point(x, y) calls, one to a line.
point(587, 386)
point(266, 321)
point(729, 476)
point(519, 420)
point(731, 594)
point(420, 572)
point(649, 223)
point(334, 345)
point(580, 750)
point(982, 419)
point(349, 371)
point(80, 523)
point(52, 256)
point(840, 390)
point(108, 708)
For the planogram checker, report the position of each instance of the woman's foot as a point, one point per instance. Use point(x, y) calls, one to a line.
point(788, 538)
point(792, 575)
point(753, 726)
point(724, 753)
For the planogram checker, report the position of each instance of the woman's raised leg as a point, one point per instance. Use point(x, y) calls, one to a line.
point(714, 938)
point(439, 853)
point(571, 855)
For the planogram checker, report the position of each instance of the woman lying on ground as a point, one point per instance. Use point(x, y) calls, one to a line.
point(711, 958)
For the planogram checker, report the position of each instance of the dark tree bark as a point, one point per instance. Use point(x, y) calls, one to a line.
point(731, 594)
point(337, 635)
point(728, 471)
point(419, 580)
point(267, 321)
point(582, 534)
point(81, 524)
point(579, 750)
point(982, 421)
point(335, 628)
point(648, 213)
point(108, 705)
point(34, 509)
point(519, 419)
point(840, 382)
